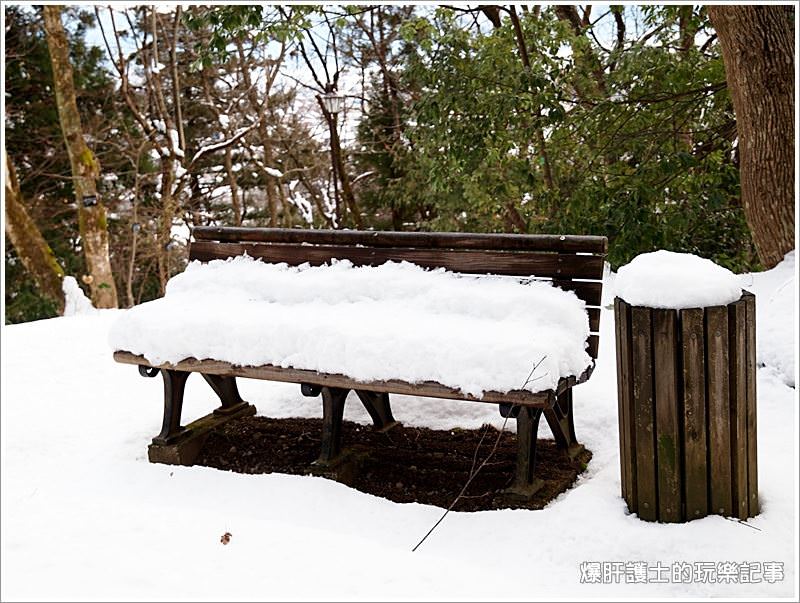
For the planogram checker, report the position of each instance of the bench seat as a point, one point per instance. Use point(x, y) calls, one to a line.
point(430, 389)
point(390, 322)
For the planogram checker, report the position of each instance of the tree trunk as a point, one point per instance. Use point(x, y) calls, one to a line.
point(261, 110)
point(587, 87)
point(169, 210)
point(30, 245)
point(236, 205)
point(758, 50)
point(338, 164)
point(85, 168)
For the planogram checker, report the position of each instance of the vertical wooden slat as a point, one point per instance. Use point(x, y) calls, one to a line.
point(621, 395)
point(620, 402)
point(628, 453)
point(694, 414)
point(752, 432)
point(738, 408)
point(665, 369)
point(647, 489)
point(719, 430)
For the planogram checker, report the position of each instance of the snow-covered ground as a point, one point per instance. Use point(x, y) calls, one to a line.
point(85, 516)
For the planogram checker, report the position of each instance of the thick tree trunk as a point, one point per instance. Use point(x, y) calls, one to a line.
point(758, 49)
point(30, 245)
point(85, 168)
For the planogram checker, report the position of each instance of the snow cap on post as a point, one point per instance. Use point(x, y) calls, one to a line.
point(665, 279)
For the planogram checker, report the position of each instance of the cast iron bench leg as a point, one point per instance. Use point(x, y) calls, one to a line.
point(378, 407)
point(525, 482)
point(333, 400)
point(225, 388)
point(560, 419)
point(174, 385)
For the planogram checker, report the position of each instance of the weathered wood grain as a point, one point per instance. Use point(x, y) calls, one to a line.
point(624, 390)
point(643, 411)
point(738, 406)
point(291, 375)
point(719, 419)
point(752, 426)
point(437, 240)
point(694, 414)
point(626, 399)
point(466, 261)
point(668, 438)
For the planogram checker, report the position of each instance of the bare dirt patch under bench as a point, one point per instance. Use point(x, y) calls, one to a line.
point(405, 464)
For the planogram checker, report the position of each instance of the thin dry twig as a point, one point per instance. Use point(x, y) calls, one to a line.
point(473, 471)
point(466, 485)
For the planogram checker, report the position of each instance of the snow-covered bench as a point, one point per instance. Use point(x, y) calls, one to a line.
point(337, 311)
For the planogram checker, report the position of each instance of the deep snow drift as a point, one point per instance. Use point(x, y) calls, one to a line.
point(85, 516)
point(776, 333)
point(394, 321)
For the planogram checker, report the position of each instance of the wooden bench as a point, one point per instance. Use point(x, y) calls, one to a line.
point(572, 262)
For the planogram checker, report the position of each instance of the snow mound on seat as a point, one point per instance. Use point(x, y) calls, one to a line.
point(665, 279)
point(394, 321)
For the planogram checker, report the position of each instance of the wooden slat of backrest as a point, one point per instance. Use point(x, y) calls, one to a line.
point(465, 261)
point(594, 346)
point(594, 319)
point(430, 240)
point(589, 291)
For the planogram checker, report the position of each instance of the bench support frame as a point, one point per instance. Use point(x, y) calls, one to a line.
point(560, 418)
point(556, 406)
point(526, 484)
point(178, 445)
point(333, 401)
point(174, 386)
point(378, 407)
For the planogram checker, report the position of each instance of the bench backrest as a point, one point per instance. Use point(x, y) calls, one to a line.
point(571, 262)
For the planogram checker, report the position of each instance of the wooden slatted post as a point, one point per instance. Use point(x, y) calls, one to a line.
point(687, 410)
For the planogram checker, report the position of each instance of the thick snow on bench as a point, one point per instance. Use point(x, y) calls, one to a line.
point(394, 321)
point(665, 279)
